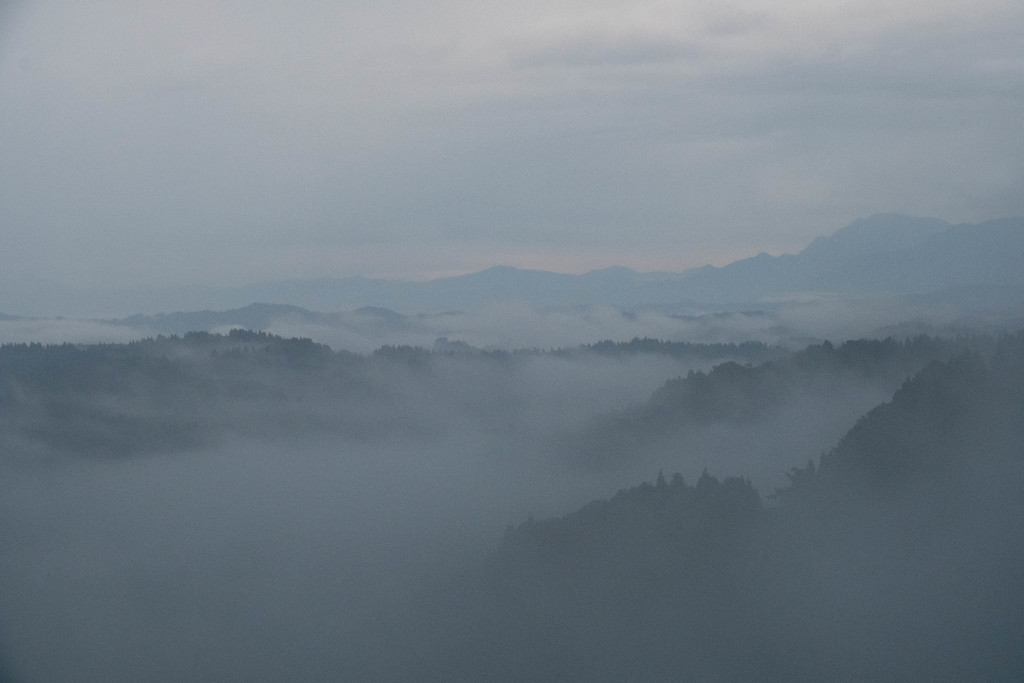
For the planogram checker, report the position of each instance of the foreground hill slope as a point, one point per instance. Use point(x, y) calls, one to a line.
point(895, 556)
point(898, 557)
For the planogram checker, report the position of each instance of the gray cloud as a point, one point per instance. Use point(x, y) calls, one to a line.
point(602, 50)
point(193, 142)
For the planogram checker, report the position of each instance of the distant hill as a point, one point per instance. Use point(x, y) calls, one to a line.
point(883, 254)
point(615, 286)
point(973, 271)
point(886, 254)
point(251, 317)
point(881, 232)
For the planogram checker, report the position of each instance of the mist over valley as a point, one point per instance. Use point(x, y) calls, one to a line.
point(819, 483)
point(244, 506)
point(552, 341)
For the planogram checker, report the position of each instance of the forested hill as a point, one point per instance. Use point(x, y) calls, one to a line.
point(737, 392)
point(894, 554)
point(896, 557)
point(173, 393)
point(950, 423)
point(167, 393)
point(825, 383)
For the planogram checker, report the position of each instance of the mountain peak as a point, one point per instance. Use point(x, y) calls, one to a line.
point(881, 233)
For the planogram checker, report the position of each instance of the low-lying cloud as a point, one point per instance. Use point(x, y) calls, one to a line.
point(792, 321)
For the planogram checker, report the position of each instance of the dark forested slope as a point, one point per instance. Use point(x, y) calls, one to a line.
point(797, 404)
point(174, 393)
point(897, 557)
point(156, 394)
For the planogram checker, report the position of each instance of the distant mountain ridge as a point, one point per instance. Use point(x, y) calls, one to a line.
point(885, 254)
point(929, 265)
point(878, 233)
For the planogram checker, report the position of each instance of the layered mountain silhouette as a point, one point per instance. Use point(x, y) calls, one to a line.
point(887, 254)
point(883, 254)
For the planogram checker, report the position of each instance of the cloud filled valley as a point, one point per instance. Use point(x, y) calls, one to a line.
point(554, 341)
point(442, 482)
point(249, 507)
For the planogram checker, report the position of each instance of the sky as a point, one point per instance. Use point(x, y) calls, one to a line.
point(226, 143)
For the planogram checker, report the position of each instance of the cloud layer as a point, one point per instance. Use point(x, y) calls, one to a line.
point(216, 143)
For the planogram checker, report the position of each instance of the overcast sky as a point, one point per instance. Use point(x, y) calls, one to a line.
point(232, 142)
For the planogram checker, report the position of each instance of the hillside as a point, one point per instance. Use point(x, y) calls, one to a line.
point(897, 556)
